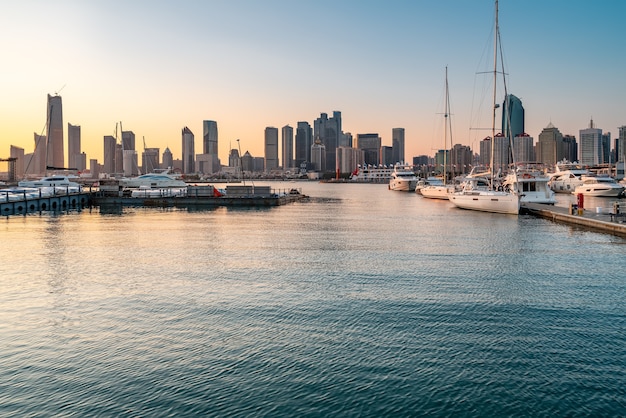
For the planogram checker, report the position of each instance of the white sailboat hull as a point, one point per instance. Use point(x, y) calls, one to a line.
point(487, 201)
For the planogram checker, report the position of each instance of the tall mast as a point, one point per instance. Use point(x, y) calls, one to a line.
point(445, 133)
point(495, 106)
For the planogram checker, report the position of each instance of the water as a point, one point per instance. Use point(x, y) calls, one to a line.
point(360, 302)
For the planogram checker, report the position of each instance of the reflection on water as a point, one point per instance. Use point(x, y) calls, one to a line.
point(361, 301)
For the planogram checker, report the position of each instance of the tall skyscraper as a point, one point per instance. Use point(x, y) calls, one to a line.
point(109, 154)
point(209, 137)
point(55, 157)
point(287, 143)
point(318, 155)
point(591, 147)
point(168, 159)
point(512, 110)
point(397, 143)
point(304, 141)
point(370, 144)
point(38, 162)
point(149, 160)
point(271, 148)
point(523, 149)
point(621, 144)
point(189, 162)
point(73, 147)
point(329, 132)
point(128, 140)
point(550, 148)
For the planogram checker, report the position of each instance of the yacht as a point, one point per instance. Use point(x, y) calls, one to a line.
point(372, 174)
point(567, 177)
point(51, 181)
point(153, 181)
point(599, 186)
point(531, 184)
point(403, 179)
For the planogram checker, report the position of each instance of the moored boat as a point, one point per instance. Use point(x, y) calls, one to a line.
point(601, 186)
point(403, 179)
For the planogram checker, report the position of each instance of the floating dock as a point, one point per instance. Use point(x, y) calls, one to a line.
point(612, 222)
point(16, 203)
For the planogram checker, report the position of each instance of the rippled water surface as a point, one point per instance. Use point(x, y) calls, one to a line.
point(359, 302)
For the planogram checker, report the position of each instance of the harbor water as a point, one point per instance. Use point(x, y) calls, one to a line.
point(358, 302)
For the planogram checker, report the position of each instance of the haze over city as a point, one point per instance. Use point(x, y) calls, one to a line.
point(160, 66)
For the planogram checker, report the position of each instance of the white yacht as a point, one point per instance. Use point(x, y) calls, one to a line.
point(567, 177)
point(531, 184)
point(153, 181)
point(403, 179)
point(599, 186)
point(372, 174)
point(51, 181)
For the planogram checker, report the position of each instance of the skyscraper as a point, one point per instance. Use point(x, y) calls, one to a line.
point(621, 144)
point(328, 131)
point(55, 157)
point(548, 146)
point(73, 147)
point(370, 144)
point(168, 159)
point(287, 142)
point(591, 149)
point(397, 143)
point(38, 162)
point(304, 141)
point(188, 151)
point(209, 137)
point(271, 148)
point(512, 110)
point(109, 154)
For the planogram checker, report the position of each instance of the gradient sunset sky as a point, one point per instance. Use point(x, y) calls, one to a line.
point(158, 66)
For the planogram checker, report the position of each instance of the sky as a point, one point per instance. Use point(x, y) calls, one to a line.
point(158, 66)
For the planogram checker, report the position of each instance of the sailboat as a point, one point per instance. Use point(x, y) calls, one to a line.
point(441, 191)
point(490, 200)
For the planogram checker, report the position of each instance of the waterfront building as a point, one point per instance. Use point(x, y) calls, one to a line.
point(233, 158)
point(304, 140)
point(119, 158)
point(513, 111)
point(485, 152)
point(150, 160)
point(109, 154)
point(329, 131)
point(460, 159)
point(18, 154)
point(130, 165)
point(74, 158)
point(247, 162)
point(620, 144)
point(94, 168)
point(570, 148)
point(370, 145)
point(55, 157)
point(168, 159)
point(271, 148)
point(348, 159)
point(258, 164)
point(345, 139)
point(591, 146)
point(550, 147)
point(386, 156)
point(606, 148)
point(38, 161)
point(502, 153)
point(189, 164)
point(128, 140)
point(397, 143)
point(318, 155)
point(523, 148)
point(442, 157)
point(287, 147)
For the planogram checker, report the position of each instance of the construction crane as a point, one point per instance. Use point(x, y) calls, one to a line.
point(11, 162)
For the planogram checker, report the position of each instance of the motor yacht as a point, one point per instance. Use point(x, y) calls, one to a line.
point(403, 179)
point(599, 186)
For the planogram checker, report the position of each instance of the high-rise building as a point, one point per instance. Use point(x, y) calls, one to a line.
point(329, 132)
point(209, 137)
point(150, 160)
point(304, 140)
point(523, 149)
point(287, 142)
point(73, 147)
point(485, 152)
point(513, 111)
point(501, 153)
point(570, 148)
point(348, 159)
point(550, 147)
point(271, 148)
point(130, 166)
point(233, 158)
point(18, 154)
point(591, 146)
point(370, 144)
point(318, 155)
point(168, 159)
point(128, 140)
point(38, 161)
point(460, 159)
point(189, 163)
point(397, 143)
point(386, 156)
point(55, 157)
point(606, 148)
point(109, 154)
point(620, 147)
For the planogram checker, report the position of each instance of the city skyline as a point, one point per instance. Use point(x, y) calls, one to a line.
point(160, 67)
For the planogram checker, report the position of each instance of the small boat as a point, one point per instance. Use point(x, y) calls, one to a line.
point(567, 177)
point(403, 179)
point(602, 186)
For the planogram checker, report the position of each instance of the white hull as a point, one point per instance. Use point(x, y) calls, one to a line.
point(531, 187)
point(402, 185)
point(437, 192)
point(599, 191)
point(487, 201)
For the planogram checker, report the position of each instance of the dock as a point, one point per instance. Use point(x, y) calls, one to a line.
point(608, 222)
point(15, 203)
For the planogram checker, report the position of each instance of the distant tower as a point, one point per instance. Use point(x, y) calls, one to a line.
point(304, 140)
point(73, 147)
point(271, 148)
point(397, 143)
point(550, 147)
point(512, 110)
point(287, 139)
point(621, 144)
point(188, 151)
point(329, 132)
point(370, 144)
point(38, 162)
point(168, 159)
point(318, 155)
point(55, 151)
point(109, 154)
point(591, 147)
point(209, 137)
